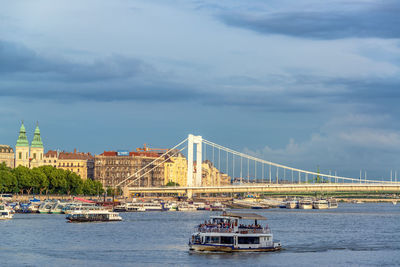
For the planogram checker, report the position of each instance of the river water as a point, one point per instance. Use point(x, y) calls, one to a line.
point(352, 235)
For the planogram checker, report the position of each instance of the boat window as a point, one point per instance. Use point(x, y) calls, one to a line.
point(226, 239)
point(248, 240)
point(214, 239)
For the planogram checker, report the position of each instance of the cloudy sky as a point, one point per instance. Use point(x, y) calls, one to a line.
point(305, 83)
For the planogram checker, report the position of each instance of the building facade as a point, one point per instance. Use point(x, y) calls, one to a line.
point(175, 169)
point(78, 162)
point(211, 176)
point(112, 167)
point(27, 155)
point(7, 155)
point(22, 149)
point(36, 150)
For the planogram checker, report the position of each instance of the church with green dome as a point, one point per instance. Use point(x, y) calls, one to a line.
point(29, 155)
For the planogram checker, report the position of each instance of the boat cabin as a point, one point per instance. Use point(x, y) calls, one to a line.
point(233, 231)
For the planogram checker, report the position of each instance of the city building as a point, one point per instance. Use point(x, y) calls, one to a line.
point(211, 176)
point(7, 155)
point(22, 148)
point(36, 149)
point(175, 169)
point(113, 167)
point(77, 162)
point(27, 155)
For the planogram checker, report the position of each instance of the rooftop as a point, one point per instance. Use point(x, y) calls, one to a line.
point(244, 216)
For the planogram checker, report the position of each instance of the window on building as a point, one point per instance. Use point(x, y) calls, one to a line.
point(34, 155)
point(20, 155)
point(41, 156)
point(26, 155)
point(44, 161)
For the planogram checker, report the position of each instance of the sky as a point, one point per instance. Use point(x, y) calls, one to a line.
point(304, 83)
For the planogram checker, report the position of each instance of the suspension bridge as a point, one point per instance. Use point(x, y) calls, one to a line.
point(249, 174)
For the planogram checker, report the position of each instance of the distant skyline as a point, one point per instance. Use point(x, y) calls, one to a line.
point(303, 83)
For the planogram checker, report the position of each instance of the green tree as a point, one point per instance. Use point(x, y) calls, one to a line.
point(98, 187)
point(8, 182)
point(74, 183)
point(114, 191)
point(24, 179)
point(58, 182)
point(40, 180)
point(172, 184)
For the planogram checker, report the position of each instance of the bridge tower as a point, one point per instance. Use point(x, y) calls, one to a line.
point(194, 140)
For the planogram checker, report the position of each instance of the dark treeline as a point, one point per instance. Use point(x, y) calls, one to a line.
point(46, 180)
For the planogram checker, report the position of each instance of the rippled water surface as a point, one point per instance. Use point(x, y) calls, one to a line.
point(352, 235)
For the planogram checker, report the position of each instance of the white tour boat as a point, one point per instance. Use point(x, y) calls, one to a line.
point(292, 204)
point(332, 203)
point(99, 215)
point(306, 204)
point(226, 233)
point(320, 204)
point(5, 212)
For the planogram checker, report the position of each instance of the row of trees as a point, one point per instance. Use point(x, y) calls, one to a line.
point(45, 180)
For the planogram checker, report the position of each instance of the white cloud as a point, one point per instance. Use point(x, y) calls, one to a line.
point(346, 144)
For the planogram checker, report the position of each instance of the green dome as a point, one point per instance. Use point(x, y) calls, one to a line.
point(37, 140)
point(22, 139)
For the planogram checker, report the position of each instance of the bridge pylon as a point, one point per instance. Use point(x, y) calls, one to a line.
point(198, 141)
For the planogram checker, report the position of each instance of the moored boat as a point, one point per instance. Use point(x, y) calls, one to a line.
point(227, 233)
point(100, 215)
point(332, 203)
point(45, 207)
point(292, 204)
point(320, 204)
point(306, 204)
point(5, 212)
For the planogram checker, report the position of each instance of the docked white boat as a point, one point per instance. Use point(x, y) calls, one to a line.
point(217, 206)
point(79, 207)
point(186, 207)
point(227, 233)
point(5, 212)
point(320, 204)
point(45, 207)
point(100, 215)
point(130, 207)
point(332, 203)
point(292, 204)
point(57, 208)
point(306, 204)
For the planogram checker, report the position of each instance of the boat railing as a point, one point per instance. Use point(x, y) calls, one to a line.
point(255, 231)
point(214, 230)
point(231, 230)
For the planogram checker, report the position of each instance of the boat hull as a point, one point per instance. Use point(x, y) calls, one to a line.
point(220, 248)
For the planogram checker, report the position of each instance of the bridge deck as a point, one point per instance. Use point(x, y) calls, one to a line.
point(271, 188)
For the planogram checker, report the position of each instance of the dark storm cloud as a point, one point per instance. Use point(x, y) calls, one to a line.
point(380, 19)
point(18, 59)
point(28, 75)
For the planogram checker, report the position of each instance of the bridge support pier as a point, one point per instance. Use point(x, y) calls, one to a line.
point(189, 193)
point(125, 192)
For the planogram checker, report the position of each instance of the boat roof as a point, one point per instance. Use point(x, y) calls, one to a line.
point(244, 216)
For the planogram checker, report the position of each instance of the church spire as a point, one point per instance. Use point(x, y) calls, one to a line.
point(22, 139)
point(37, 140)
